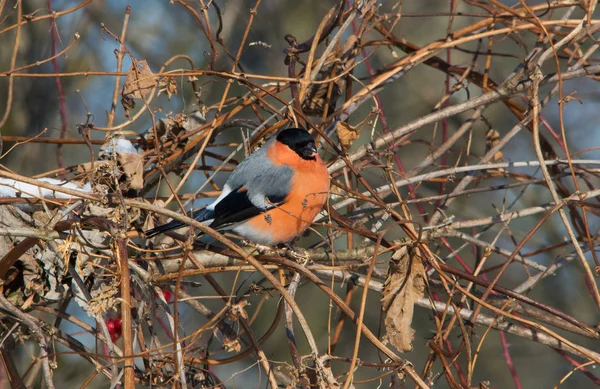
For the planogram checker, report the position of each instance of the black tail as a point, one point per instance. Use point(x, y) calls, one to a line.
point(200, 215)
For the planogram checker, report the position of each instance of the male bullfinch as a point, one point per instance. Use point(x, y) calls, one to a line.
point(273, 195)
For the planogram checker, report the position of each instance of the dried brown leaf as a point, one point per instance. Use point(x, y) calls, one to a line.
point(571, 96)
point(133, 166)
point(167, 85)
point(32, 274)
point(316, 98)
point(87, 167)
point(286, 375)
point(367, 8)
point(140, 80)
point(327, 378)
point(492, 138)
point(128, 104)
point(405, 284)
point(337, 62)
point(232, 344)
point(347, 135)
point(238, 310)
point(104, 297)
point(138, 84)
point(348, 53)
point(128, 159)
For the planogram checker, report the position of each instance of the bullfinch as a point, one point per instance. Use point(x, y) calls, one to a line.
point(272, 196)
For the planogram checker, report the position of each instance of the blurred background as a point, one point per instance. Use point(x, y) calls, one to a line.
point(159, 30)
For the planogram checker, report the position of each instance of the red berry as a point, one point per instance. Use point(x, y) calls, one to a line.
point(167, 294)
point(114, 327)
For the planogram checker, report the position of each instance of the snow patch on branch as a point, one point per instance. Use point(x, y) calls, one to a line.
point(17, 189)
point(119, 146)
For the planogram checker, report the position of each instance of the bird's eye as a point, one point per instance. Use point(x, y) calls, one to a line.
point(308, 150)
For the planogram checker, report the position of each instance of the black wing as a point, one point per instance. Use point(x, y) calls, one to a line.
point(236, 207)
point(200, 215)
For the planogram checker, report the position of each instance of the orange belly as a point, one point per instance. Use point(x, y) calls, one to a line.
point(287, 221)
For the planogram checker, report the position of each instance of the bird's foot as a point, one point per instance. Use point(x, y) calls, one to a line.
point(291, 252)
point(258, 247)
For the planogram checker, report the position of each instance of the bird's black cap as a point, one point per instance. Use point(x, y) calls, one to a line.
point(300, 141)
point(294, 136)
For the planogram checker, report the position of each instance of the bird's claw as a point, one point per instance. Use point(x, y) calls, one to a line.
point(292, 253)
point(259, 247)
point(283, 249)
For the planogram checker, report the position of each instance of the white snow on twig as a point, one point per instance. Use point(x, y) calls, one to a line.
point(14, 189)
point(119, 145)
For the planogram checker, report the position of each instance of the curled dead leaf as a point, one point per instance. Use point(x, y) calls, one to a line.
point(105, 296)
point(133, 167)
point(316, 98)
point(128, 104)
point(404, 286)
point(232, 344)
point(492, 138)
point(129, 160)
point(138, 84)
point(319, 96)
point(348, 52)
point(571, 96)
point(326, 378)
point(347, 135)
point(167, 85)
point(286, 375)
point(170, 127)
point(238, 310)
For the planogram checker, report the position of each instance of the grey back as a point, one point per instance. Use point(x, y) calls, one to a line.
point(261, 177)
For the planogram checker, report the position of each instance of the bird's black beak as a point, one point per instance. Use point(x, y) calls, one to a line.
point(307, 150)
point(310, 151)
